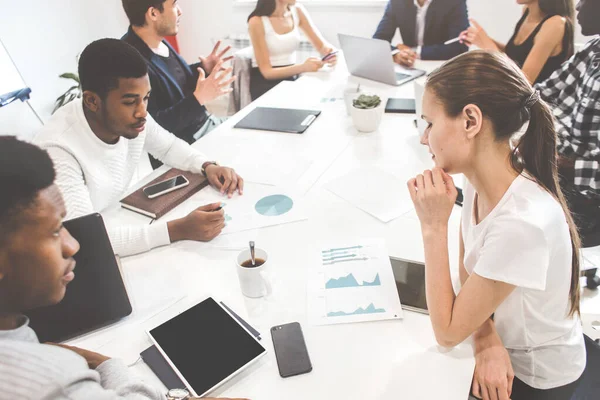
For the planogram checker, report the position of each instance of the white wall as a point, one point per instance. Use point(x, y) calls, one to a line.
point(44, 37)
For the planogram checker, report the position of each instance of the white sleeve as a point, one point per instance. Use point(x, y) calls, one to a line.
point(515, 252)
point(117, 383)
point(126, 240)
point(71, 182)
point(171, 150)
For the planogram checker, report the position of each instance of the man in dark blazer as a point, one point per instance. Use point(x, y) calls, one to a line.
point(424, 26)
point(179, 91)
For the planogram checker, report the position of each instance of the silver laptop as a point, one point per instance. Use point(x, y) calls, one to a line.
point(372, 59)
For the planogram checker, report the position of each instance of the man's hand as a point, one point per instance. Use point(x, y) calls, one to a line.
point(405, 57)
point(566, 163)
point(93, 359)
point(209, 63)
point(494, 375)
point(224, 179)
point(216, 85)
point(202, 225)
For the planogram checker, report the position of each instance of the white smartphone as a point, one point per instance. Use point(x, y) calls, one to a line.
point(164, 187)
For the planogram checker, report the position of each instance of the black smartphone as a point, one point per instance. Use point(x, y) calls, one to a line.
point(164, 187)
point(328, 56)
point(290, 350)
point(460, 197)
point(401, 106)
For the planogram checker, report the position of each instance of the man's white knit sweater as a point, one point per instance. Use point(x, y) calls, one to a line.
point(94, 176)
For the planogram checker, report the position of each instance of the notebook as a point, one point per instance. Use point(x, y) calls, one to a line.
point(161, 368)
point(278, 120)
point(159, 206)
point(95, 298)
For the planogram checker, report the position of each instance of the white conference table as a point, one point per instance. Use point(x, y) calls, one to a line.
point(375, 360)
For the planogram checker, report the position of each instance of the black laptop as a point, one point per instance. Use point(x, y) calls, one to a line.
point(95, 298)
point(278, 120)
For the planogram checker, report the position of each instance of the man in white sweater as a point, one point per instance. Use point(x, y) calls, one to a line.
point(96, 144)
point(36, 265)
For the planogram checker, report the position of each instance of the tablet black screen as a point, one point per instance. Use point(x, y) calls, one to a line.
point(410, 282)
point(206, 345)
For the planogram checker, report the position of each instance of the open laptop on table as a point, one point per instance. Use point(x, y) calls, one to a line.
point(372, 59)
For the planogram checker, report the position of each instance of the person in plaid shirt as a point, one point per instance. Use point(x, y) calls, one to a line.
point(574, 90)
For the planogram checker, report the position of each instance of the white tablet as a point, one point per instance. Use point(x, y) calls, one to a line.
point(206, 346)
point(410, 283)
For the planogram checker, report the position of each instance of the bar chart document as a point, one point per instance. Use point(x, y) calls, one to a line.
point(352, 282)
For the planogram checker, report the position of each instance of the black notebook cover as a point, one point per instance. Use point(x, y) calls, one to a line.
point(161, 368)
point(96, 298)
point(278, 120)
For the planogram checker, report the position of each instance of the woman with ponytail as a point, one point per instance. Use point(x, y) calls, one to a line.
point(274, 28)
point(543, 38)
point(519, 249)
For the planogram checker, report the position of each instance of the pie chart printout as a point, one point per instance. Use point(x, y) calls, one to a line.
point(275, 205)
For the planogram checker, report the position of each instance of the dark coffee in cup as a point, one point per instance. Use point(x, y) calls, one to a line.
point(258, 263)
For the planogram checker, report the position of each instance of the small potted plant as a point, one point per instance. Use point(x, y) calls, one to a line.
point(366, 112)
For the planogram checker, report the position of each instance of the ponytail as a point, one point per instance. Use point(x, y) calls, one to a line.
point(501, 91)
point(536, 153)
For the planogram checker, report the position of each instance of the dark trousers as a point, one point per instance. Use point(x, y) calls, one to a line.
point(522, 391)
point(259, 85)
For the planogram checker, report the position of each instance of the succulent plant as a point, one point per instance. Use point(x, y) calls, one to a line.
point(366, 102)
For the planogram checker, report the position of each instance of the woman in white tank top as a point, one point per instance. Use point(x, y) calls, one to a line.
point(519, 248)
point(274, 28)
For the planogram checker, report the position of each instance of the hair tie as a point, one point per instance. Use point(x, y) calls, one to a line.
point(531, 100)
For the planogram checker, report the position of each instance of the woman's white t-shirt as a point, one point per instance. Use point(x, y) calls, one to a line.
point(282, 48)
point(525, 241)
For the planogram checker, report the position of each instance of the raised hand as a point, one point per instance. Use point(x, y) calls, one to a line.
point(210, 62)
point(214, 86)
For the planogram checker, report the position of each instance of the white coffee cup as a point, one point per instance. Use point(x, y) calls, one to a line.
point(253, 280)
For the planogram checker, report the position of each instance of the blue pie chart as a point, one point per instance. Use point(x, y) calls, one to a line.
point(273, 206)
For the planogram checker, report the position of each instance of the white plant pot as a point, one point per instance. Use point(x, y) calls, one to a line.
point(367, 120)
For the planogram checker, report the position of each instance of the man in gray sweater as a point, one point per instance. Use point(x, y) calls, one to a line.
point(36, 265)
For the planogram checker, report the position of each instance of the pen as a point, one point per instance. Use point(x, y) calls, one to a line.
point(456, 39)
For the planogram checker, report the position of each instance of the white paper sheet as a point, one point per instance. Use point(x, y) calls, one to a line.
point(374, 191)
point(260, 206)
point(268, 164)
point(352, 282)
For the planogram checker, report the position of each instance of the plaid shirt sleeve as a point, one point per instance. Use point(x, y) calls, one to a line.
point(563, 79)
point(574, 91)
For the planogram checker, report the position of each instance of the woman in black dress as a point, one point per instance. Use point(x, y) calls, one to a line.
point(542, 41)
